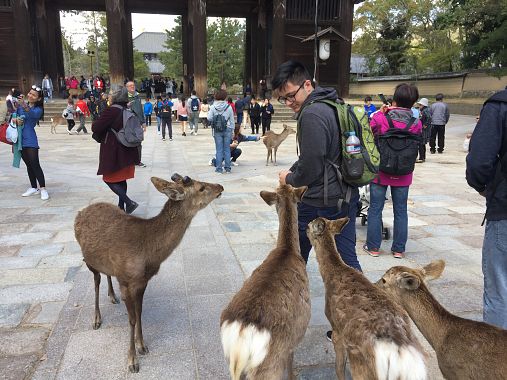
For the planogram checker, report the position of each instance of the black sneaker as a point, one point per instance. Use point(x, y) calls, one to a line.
point(329, 335)
point(131, 207)
point(141, 165)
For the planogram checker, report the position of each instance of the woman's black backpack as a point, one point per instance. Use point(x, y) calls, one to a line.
point(398, 148)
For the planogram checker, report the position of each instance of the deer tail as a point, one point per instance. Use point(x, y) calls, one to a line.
point(245, 346)
point(399, 362)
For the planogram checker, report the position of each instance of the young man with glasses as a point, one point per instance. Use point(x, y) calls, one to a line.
point(319, 140)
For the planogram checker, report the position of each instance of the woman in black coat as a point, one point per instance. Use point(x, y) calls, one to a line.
point(254, 111)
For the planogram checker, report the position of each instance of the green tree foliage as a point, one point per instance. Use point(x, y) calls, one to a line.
point(141, 69)
point(173, 57)
point(226, 52)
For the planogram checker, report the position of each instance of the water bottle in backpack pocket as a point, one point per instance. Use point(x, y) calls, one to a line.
point(398, 149)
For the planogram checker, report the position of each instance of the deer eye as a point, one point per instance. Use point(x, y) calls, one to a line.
point(383, 280)
point(201, 189)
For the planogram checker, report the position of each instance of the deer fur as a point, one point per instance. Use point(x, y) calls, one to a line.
point(368, 328)
point(268, 317)
point(465, 349)
point(132, 249)
point(273, 140)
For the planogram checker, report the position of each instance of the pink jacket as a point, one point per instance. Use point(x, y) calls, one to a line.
point(379, 126)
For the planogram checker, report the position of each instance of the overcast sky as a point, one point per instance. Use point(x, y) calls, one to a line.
point(141, 22)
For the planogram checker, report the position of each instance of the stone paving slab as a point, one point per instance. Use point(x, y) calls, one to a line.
point(223, 245)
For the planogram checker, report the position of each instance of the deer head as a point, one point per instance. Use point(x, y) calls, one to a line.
point(321, 226)
point(283, 195)
point(184, 189)
point(399, 279)
point(288, 129)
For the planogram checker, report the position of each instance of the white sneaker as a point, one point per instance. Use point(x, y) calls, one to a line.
point(159, 133)
point(44, 195)
point(192, 133)
point(234, 163)
point(210, 163)
point(195, 133)
point(30, 191)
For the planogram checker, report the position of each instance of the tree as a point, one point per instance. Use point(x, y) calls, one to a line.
point(172, 59)
point(141, 69)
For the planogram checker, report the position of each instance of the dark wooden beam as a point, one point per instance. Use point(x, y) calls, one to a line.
point(197, 18)
point(24, 50)
point(278, 37)
point(345, 48)
point(248, 46)
point(116, 34)
point(254, 45)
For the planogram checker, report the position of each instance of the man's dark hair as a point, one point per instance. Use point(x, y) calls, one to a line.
point(194, 92)
point(220, 94)
point(367, 99)
point(405, 95)
point(290, 71)
point(439, 97)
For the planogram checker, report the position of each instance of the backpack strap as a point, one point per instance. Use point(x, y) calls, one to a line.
point(391, 124)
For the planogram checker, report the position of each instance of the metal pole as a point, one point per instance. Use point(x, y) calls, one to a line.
point(315, 47)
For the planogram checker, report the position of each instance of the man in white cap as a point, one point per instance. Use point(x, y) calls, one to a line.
point(425, 116)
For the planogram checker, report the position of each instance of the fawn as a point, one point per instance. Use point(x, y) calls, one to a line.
point(273, 140)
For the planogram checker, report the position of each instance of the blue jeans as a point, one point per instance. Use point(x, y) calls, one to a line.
point(494, 268)
point(400, 229)
point(240, 117)
point(223, 150)
point(193, 118)
point(345, 241)
point(159, 121)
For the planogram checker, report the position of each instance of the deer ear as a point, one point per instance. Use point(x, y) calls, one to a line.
point(268, 197)
point(174, 192)
point(408, 281)
point(433, 270)
point(159, 183)
point(299, 191)
point(336, 226)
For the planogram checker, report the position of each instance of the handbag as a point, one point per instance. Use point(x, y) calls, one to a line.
point(12, 133)
point(3, 133)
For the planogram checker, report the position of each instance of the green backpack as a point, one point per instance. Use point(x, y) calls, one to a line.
point(356, 169)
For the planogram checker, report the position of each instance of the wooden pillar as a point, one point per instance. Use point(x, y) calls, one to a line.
point(116, 34)
point(187, 51)
point(262, 46)
point(345, 48)
point(197, 19)
point(46, 20)
point(129, 46)
point(24, 50)
point(278, 35)
point(254, 45)
point(54, 19)
point(248, 45)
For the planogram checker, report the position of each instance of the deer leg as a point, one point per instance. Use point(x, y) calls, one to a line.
point(96, 278)
point(267, 157)
point(340, 355)
point(110, 291)
point(142, 348)
point(133, 363)
point(290, 367)
point(275, 156)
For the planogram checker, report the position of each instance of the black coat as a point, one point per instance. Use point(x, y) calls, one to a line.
point(486, 171)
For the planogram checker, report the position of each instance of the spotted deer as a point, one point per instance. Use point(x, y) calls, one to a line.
point(123, 246)
point(273, 140)
point(268, 317)
point(368, 328)
point(466, 349)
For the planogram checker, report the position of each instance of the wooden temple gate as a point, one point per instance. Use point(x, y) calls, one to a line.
point(31, 45)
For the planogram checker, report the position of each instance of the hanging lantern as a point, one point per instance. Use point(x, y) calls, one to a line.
point(324, 48)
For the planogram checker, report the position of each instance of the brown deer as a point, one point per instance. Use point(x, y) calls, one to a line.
point(273, 140)
point(368, 328)
point(465, 349)
point(122, 245)
point(268, 317)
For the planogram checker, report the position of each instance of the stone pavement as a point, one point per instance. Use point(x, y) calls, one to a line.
point(46, 294)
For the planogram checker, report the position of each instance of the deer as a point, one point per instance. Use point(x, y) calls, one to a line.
point(465, 349)
point(273, 140)
point(121, 245)
point(367, 327)
point(268, 317)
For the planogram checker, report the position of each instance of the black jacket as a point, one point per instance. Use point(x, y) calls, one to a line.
point(318, 138)
point(484, 171)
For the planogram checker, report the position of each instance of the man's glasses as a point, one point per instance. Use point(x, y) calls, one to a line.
point(36, 88)
point(290, 98)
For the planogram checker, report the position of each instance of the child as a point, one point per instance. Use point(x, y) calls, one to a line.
point(68, 114)
point(148, 110)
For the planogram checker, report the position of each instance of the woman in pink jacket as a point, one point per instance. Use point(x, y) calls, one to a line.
point(405, 95)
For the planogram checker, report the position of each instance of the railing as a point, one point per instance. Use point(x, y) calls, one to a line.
point(304, 10)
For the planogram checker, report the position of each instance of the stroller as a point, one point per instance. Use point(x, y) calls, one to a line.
point(362, 210)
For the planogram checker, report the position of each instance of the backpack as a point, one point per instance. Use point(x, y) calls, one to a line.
point(131, 134)
point(356, 169)
point(194, 105)
point(219, 124)
point(398, 148)
point(165, 111)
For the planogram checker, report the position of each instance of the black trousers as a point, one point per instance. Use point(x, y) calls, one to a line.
point(422, 151)
point(70, 124)
point(30, 157)
point(266, 125)
point(437, 131)
point(255, 122)
point(147, 119)
point(166, 122)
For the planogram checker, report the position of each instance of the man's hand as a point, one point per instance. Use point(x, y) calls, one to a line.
point(282, 175)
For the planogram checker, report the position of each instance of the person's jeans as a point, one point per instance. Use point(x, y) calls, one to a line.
point(167, 122)
point(82, 126)
point(223, 150)
point(194, 121)
point(147, 119)
point(494, 268)
point(399, 196)
point(437, 131)
point(345, 241)
point(239, 117)
point(159, 121)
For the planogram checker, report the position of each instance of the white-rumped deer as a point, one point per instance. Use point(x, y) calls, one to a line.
point(124, 246)
point(273, 140)
point(466, 349)
point(268, 317)
point(368, 328)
